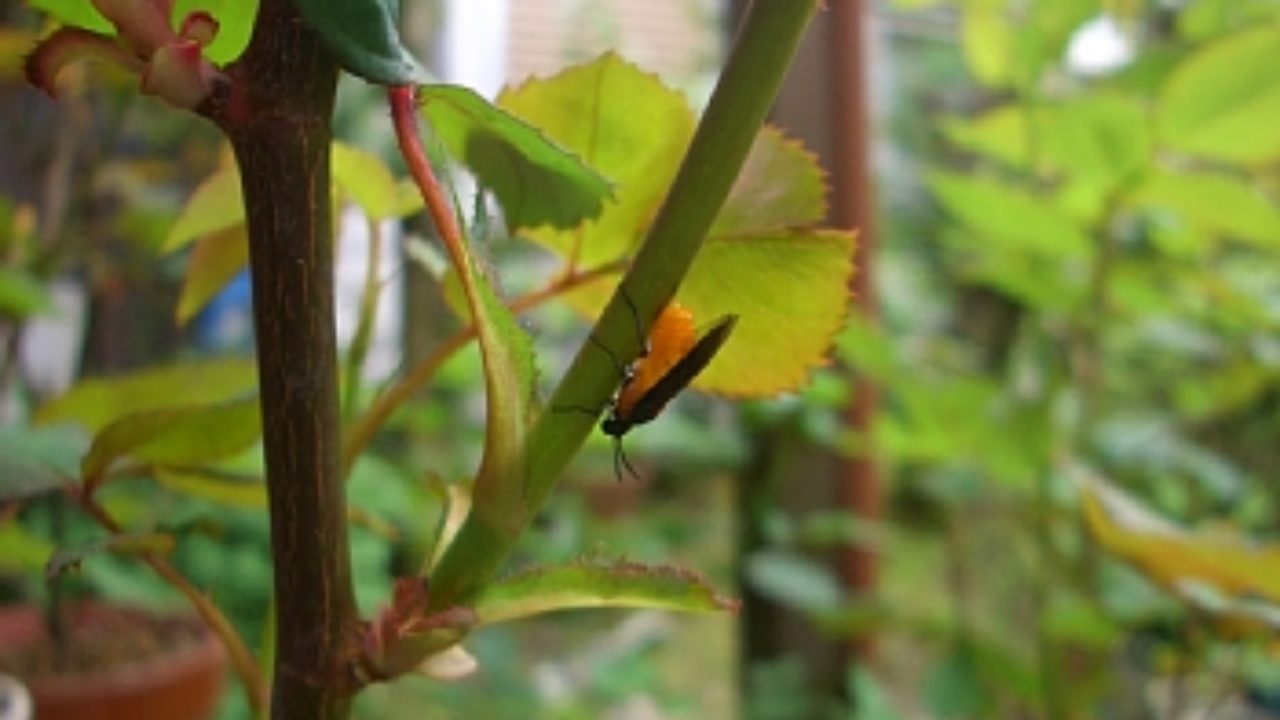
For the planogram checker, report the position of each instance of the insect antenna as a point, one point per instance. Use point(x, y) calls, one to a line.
point(620, 461)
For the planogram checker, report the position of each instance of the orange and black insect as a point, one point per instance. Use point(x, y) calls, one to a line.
point(673, 356)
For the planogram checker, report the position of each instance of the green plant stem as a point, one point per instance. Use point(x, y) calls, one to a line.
point(278, 119)
point(742, 98)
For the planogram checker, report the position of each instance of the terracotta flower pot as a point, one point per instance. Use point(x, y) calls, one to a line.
point(130, 665)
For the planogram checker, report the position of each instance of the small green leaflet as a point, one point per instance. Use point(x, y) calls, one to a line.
point(364, 36)
point(537, 181)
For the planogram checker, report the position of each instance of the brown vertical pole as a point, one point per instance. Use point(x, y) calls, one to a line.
point(853, 205)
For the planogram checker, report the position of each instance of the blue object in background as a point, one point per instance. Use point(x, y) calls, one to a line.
point(226, 323)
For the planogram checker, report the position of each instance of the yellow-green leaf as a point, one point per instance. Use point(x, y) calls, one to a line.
point(216, 260)
point(177, 435)
point(790, 290)
point(214, 206)
point(987, 40)
point(247, 493)
point(366, 180)
point(24, 552)
point(1186, 563)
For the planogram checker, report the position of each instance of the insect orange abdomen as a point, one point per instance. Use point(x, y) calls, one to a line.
point(671, 337)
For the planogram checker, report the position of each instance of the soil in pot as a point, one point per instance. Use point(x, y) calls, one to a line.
point(116, 664)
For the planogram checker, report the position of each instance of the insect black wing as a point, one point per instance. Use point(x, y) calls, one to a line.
point(681, 374)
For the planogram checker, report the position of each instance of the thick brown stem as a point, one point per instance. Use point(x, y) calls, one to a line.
point(278, 120)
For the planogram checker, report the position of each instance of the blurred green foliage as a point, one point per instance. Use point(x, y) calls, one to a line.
point(1078, 270)
point(1077, 276)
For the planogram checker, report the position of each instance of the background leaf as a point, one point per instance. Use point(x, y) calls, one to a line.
point(21, 294)
point(176, 435)
point(1221, 102)
point(96, 402)
point(24, 552)
point(247, 493)
point(1216, 204)
point(1009, 216)
point(366, 180)
point(126, 544)
point(986, 38)
point(1196, 566)
point(36, 461)
point(217, 259)
point(215, 206)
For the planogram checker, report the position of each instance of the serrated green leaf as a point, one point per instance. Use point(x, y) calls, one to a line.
point(1220, 103)
point(21, 294)
point(624, 123)
point(790, 290)
point(76, 13)
point(216, 260)
point(96, 402)
point(1211, 203)
point(175, 435)
point(37, 461)
point(364, 35)
point(366, 180)
point(536, 181)
point(215, 206)
point(594, 585)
